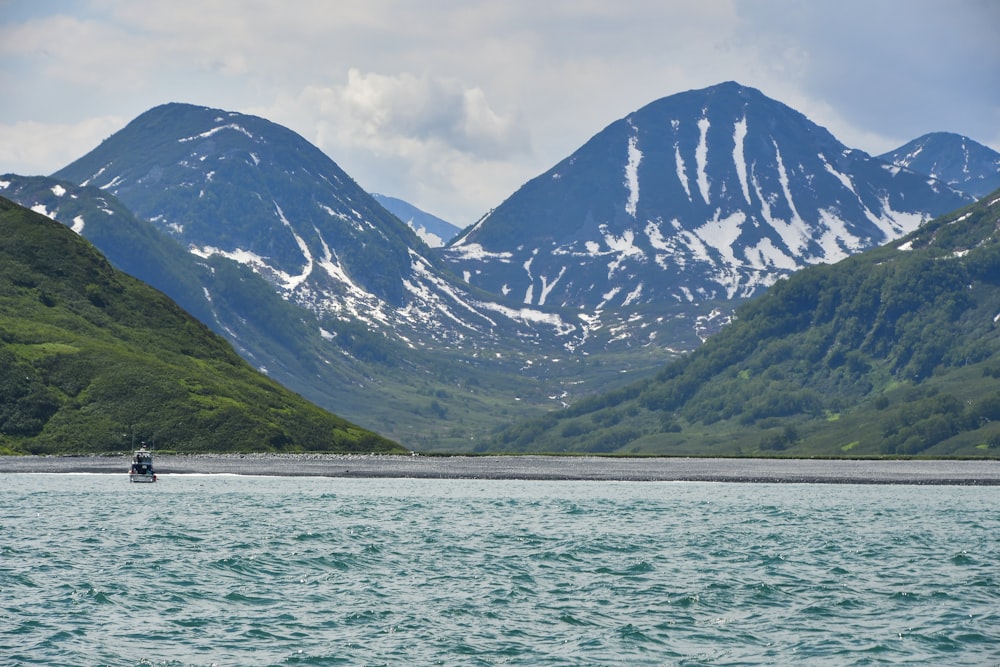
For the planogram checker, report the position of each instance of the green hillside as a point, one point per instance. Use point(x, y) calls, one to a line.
point(91, 358)
point(895, 352)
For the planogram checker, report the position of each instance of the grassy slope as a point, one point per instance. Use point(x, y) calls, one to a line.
point(90, 357)
point(893, 352)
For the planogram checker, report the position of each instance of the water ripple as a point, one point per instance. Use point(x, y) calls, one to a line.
point(285, 571)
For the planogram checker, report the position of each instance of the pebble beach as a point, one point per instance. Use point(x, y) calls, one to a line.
point(860, 471)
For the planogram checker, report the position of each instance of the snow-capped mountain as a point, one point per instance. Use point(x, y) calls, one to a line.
point(704, 195)
point(632, 248)
point(241, 187)
point(434, 231)
point(960, 162)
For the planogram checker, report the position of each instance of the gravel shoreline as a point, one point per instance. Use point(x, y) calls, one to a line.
point(951, 472)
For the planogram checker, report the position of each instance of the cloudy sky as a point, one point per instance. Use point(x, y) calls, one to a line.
point(453, 104)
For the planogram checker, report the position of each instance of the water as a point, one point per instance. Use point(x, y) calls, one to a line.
point(227, 570)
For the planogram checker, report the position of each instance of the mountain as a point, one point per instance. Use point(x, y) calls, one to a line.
point(960, 162)
point(409, 393)
point(434, 231)
point(374, 327)
point(90, 355)
point(710, 194)
point(337, 299)
point(895, 351)
point(238, 186)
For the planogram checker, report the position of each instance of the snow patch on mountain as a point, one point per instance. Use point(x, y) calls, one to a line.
point(607, 297)
point(245, 257)
point(428, 237)
point(681, 173)
point(113, 183)
point(701, 159)
point(215, 130)
point(897, 223)
point(721, 233)
point(632, 173)
point(292, 282)
point(330, 263)
point(97, 174)
point(475, 251)
point(766, 256)
point(633, 296)
point(739, 159)
point(623, 247)
point(354, 221)
point(797, 225)
point(835, 238)
point(531, 316)
point(429, 287)
point(547, 286)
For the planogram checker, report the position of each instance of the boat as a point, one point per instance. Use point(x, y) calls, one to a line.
point(142, 466)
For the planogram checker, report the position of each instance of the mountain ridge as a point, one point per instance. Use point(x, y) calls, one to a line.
point(176, 160)
point(386, 317)
point(237, 186)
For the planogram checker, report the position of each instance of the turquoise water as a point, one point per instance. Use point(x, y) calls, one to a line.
point(227, 570)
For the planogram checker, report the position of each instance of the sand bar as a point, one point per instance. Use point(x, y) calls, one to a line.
point(964, 472)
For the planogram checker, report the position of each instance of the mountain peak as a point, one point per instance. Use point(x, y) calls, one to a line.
point(957, 160)
point(236, 185)
point(707, 194)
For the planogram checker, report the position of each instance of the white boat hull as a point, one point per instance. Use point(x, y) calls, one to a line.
point(142, 466)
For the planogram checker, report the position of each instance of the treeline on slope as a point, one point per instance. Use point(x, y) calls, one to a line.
point(91, 358)
point(892, 352)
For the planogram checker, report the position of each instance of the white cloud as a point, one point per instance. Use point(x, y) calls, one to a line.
point(392, 112)
point(423, 138)
point(453, 104)
point(42, 148)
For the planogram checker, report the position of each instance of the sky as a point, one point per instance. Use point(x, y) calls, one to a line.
point(454, 104)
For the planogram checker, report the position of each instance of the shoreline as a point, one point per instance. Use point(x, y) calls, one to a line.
point(981, 472)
